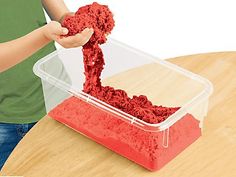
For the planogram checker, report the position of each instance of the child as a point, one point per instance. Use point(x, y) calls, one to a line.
point(24, 38)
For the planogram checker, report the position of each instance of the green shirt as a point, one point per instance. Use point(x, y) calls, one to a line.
point(21, 95)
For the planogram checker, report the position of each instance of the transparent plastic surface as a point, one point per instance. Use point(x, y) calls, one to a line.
point(150, 145)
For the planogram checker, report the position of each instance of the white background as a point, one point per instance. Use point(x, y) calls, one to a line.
point(170, 28)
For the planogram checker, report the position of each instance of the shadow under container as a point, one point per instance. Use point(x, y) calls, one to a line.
point(138, 73)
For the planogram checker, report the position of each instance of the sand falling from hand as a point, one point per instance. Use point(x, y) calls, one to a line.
point(100, 18)
point(143, 147)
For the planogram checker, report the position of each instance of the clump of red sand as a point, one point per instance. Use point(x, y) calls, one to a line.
point(100, 18)
point(144, 147)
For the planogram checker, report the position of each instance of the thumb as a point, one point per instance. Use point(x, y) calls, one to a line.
point(58, 29)
point(64, 31)
point(61, 31)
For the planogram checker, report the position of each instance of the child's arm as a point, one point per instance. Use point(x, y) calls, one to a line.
point(17, 50)
point(56, 9)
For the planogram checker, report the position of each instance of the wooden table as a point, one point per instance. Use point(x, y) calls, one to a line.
point(51, 149)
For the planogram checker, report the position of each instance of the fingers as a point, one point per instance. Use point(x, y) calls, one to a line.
point(64, 31)
point(56, 29)
point(78, 40)
point(61, 31)
point(84, 36)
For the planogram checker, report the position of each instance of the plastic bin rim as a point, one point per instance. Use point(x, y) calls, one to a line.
point(204, 94)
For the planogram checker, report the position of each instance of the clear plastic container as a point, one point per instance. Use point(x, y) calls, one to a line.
point(138, 73)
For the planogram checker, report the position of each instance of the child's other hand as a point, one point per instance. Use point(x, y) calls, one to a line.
point(54, 31)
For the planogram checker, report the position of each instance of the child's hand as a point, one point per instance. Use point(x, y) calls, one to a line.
point(54, 31)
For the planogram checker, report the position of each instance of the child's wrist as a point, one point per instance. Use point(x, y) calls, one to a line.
point(44, 33)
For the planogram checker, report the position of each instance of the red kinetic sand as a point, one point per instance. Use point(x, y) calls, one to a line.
point(101, 20)
point(144, 147)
